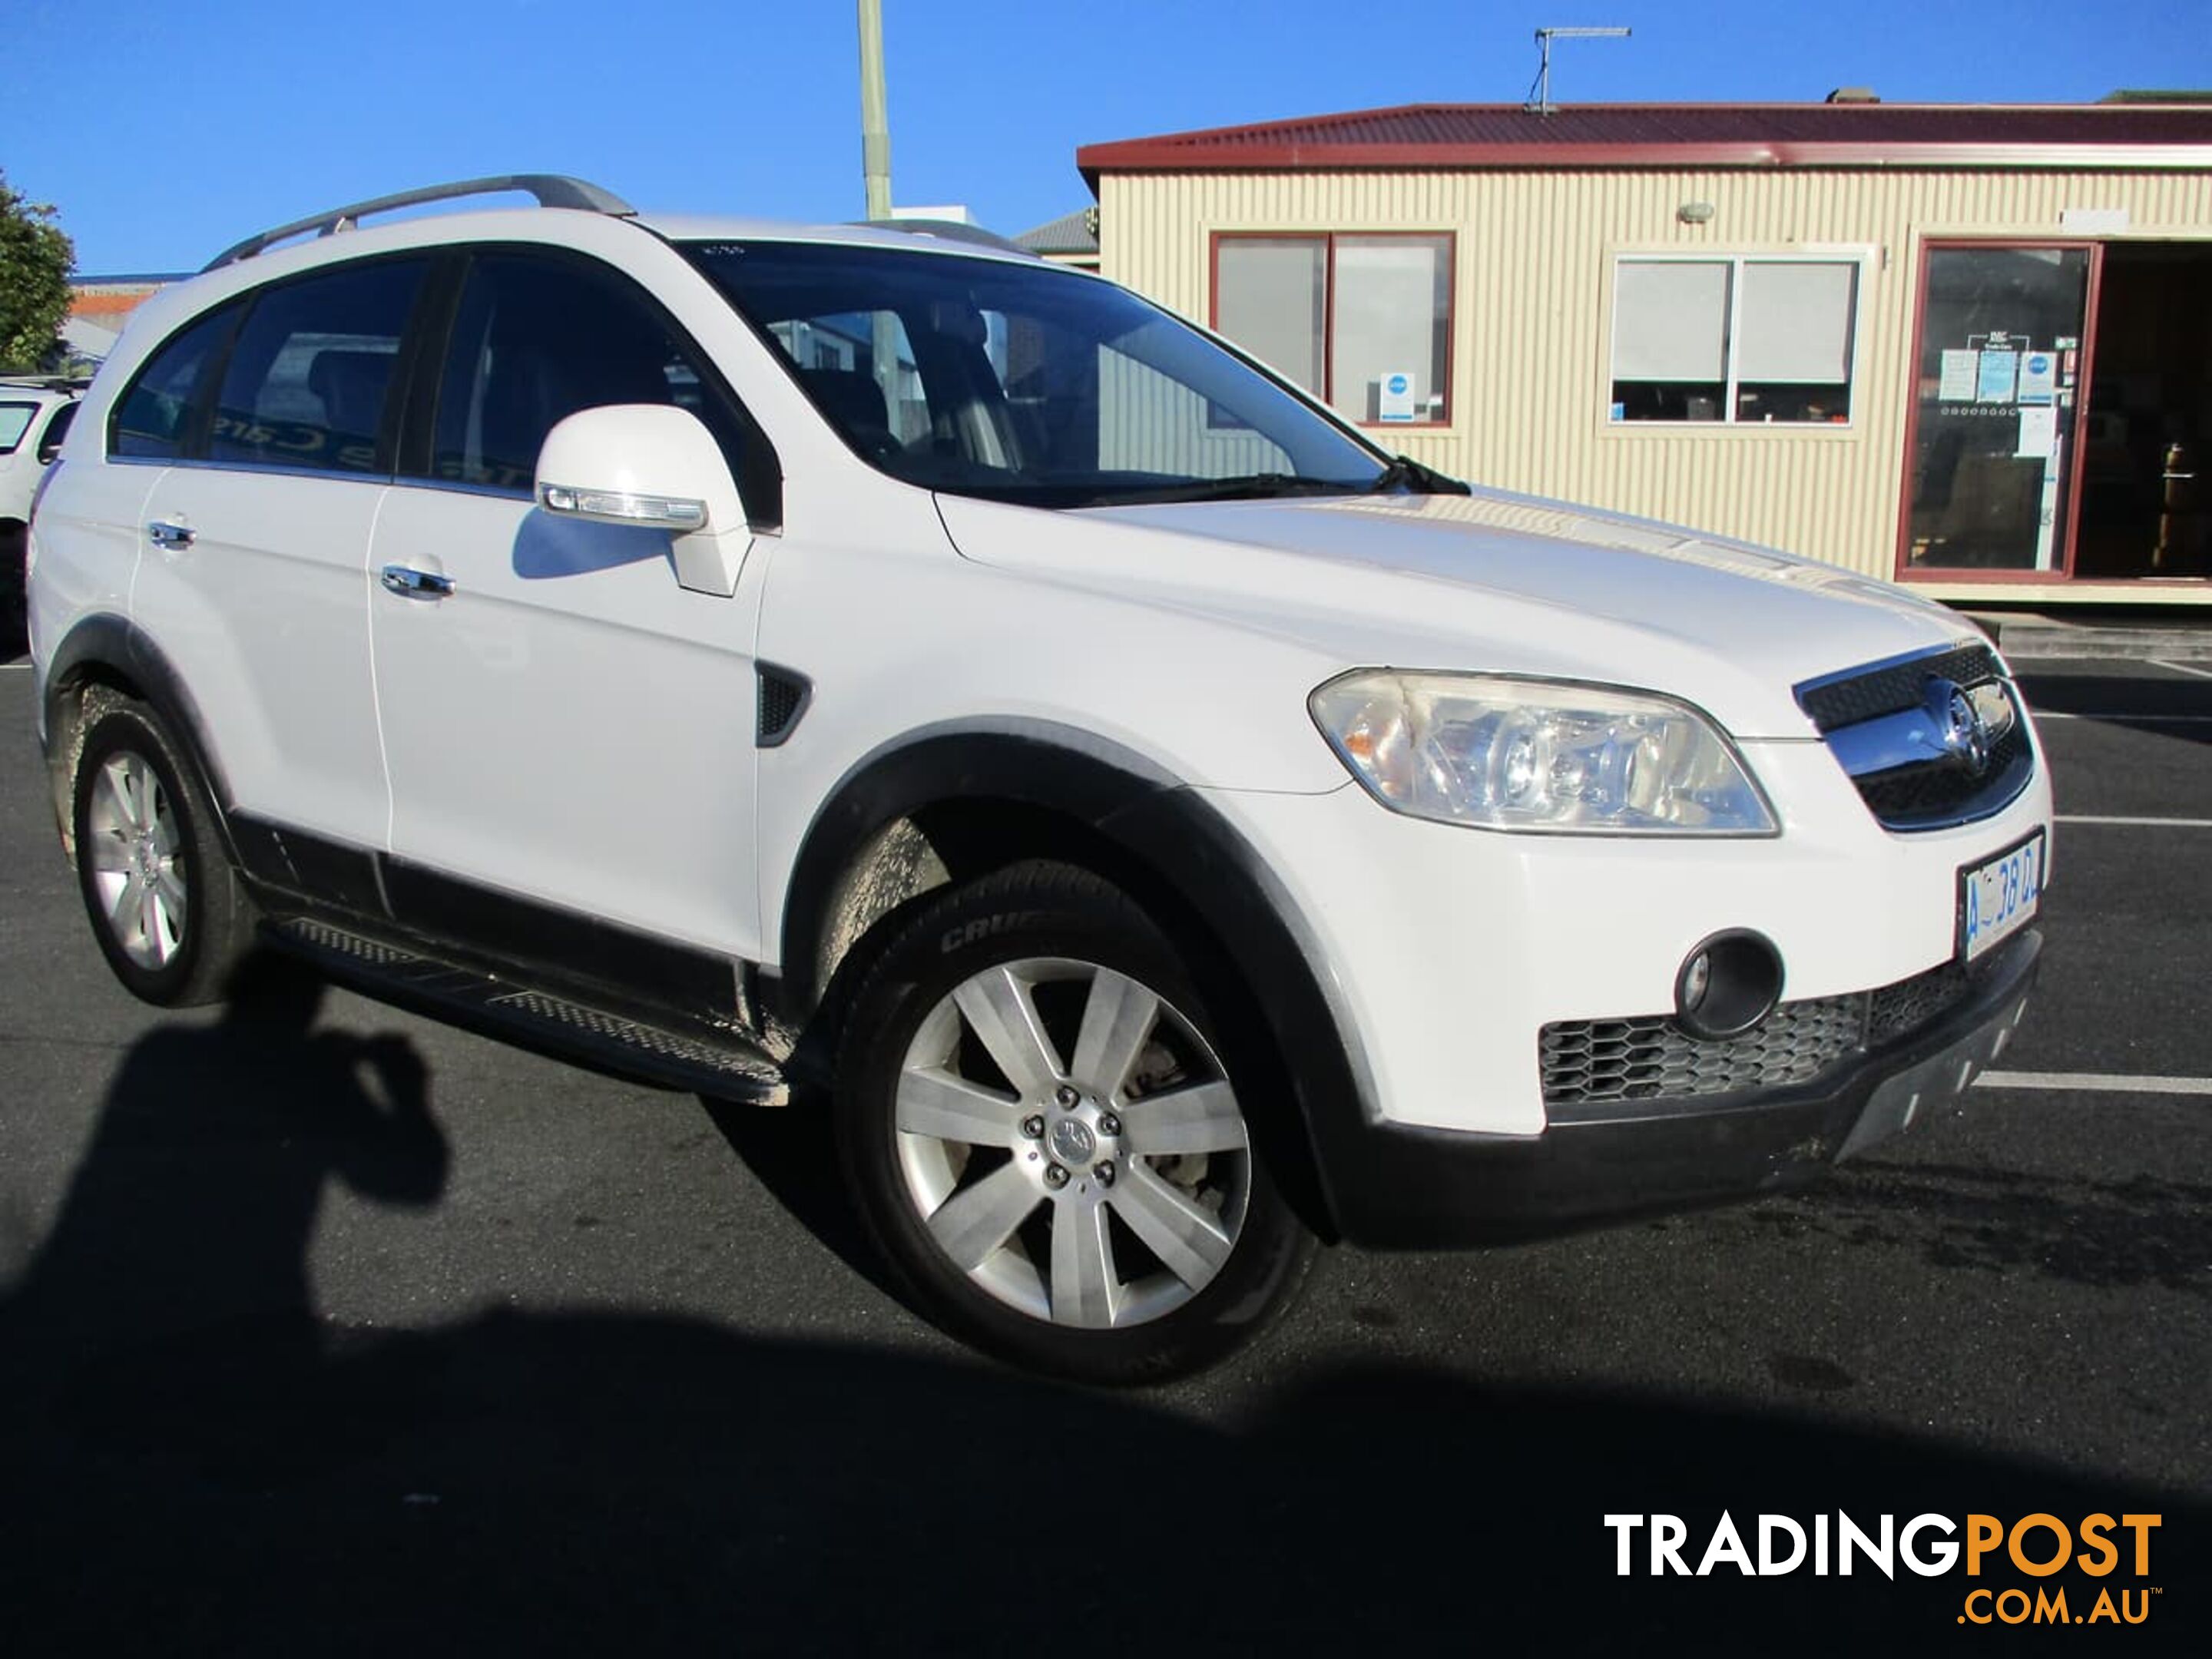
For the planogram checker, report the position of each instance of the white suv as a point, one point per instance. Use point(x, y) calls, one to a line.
point(894, 670)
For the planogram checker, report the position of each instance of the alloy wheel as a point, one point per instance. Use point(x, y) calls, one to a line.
point(1072, 1143)
point(136, 863)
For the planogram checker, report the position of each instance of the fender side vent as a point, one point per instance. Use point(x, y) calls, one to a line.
point(784, 695)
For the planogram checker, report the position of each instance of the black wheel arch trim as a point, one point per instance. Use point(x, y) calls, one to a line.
point(104, 640)
point(1035, 763)
point(1160, 823)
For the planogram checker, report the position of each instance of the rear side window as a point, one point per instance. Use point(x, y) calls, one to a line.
point(534, 341)
point(149, 419)
point(14, 421)
point(307, 383)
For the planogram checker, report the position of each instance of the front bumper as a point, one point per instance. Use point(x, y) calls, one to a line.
point(1399, 1186)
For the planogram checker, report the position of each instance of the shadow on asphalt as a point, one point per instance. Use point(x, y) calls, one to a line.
point(793, 1153)
point(193, 1461)
point(2107, 1234)
point(2135, 701)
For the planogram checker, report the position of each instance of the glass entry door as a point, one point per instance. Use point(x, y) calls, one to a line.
point(1997, 390)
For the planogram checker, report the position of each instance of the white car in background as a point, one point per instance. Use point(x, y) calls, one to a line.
point(34, 418)
point(837, 665)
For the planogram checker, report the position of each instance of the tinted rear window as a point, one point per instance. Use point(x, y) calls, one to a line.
point(149, 419)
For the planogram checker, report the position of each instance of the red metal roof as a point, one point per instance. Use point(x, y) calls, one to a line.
point(1507, 135)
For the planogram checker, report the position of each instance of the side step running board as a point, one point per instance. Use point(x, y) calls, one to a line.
point(723, 1066)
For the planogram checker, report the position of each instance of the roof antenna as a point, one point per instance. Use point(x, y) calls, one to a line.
point(1540, 92)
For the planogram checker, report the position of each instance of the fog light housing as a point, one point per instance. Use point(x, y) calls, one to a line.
point(1728, 984)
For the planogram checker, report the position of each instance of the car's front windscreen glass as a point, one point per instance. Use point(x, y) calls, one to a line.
point(14, 421)
point(1024, 383)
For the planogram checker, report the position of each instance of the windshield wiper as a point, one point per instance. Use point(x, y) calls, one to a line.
point(1247, 486)
point(1405, 473)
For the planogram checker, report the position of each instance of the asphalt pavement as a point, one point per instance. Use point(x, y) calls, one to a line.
point(328, 1327)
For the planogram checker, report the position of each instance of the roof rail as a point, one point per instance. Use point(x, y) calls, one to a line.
point(951, 230)
point(552, 190)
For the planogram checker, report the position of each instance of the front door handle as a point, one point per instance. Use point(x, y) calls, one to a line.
point(170, 536)
point(416, 584)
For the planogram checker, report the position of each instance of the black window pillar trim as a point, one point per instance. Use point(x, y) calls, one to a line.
point(430, 335)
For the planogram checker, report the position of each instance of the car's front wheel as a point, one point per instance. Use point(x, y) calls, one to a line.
point(1047, 1142)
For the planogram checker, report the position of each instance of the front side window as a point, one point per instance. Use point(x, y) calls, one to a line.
point(150, 417)
point(1362, 322)
point(1734, 340)
point(537, 339)
point(307, 382)
point(14, 421)
point(1018, 380)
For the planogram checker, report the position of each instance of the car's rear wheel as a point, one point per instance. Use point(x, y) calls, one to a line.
point(1048, 1143)
point(165, 903)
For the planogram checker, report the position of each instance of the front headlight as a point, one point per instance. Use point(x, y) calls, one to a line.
point(1538, 755)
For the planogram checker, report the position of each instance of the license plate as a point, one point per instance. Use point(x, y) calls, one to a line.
point(1998, 897)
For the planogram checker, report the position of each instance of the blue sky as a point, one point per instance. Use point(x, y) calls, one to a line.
point(164, 131)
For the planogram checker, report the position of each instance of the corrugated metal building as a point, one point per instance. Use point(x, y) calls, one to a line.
point(1968, 347)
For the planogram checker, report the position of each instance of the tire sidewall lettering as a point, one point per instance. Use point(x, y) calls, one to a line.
point(980, 928)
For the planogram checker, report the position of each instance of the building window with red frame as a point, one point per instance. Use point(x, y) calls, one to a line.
point(1364, 322)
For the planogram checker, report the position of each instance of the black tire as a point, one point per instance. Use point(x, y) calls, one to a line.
point(1037, 926)
point(176, 955)
point(14, 591)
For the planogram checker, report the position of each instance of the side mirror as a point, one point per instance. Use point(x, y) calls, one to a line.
point(654, 465)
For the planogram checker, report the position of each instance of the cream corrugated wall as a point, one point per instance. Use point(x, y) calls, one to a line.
point(1533, 293)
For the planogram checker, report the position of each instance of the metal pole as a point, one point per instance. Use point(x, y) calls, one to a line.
point(876, 169)
point(1540, 103)
point(875, 117)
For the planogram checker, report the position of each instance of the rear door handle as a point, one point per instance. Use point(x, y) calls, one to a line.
point(168, 535)
point(414, 584)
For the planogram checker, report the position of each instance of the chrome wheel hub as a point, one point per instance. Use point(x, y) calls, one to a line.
point(137, 868)
point(1071, 1143)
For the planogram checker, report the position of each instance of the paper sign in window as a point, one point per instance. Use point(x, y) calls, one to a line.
point(1998, 377)
point(1959, 369)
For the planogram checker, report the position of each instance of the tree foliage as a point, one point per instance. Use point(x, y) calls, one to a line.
point(35, 256)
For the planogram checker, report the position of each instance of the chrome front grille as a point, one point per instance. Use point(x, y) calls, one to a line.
point(1920, 757)
point(1865, 693)
point(1931, 797)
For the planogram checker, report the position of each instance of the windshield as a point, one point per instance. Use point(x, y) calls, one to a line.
point(1022, 382)
point(14, 420)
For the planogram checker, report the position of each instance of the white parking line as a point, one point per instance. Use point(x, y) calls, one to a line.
point(2095, 1083)
point(4, 667)
point(2183, 668)
point(2160, 824)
